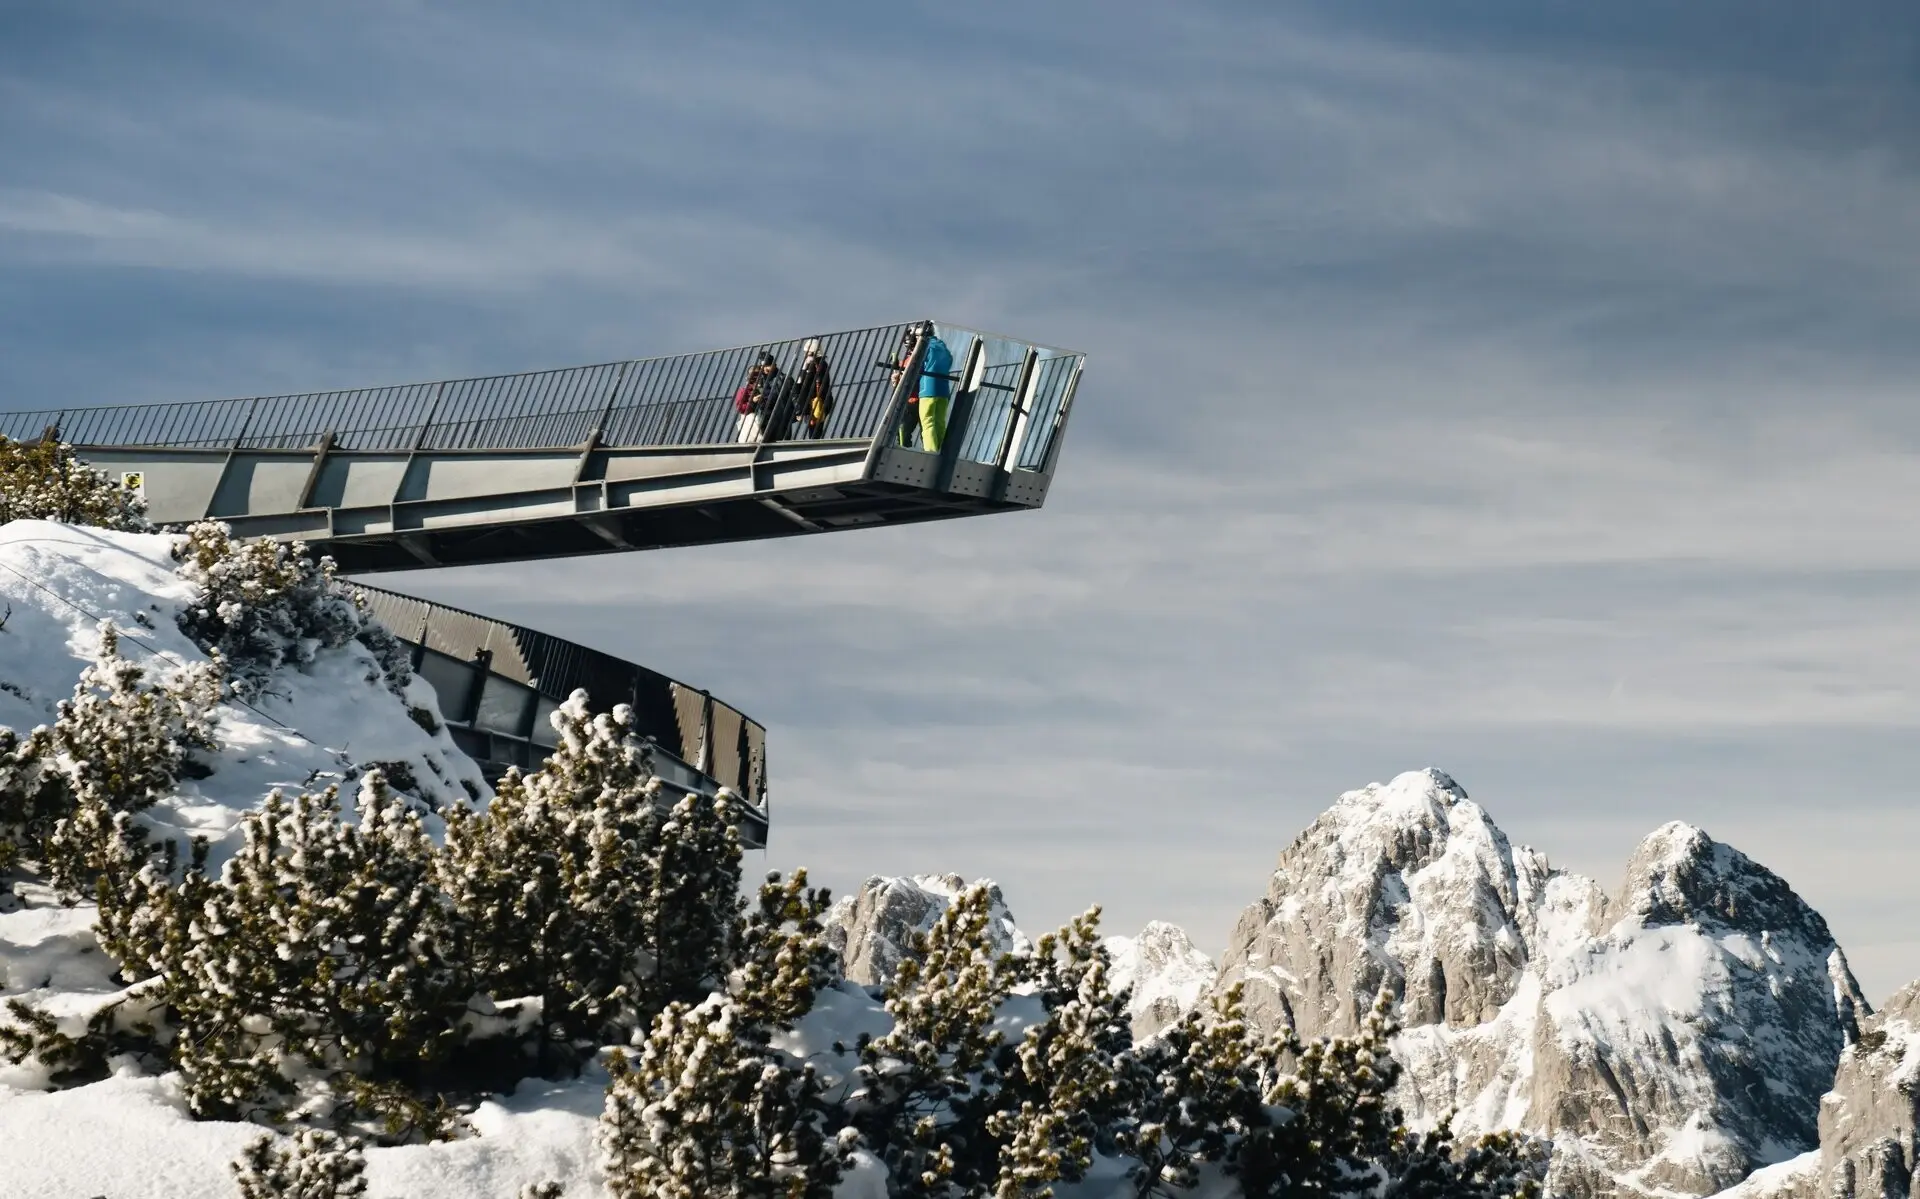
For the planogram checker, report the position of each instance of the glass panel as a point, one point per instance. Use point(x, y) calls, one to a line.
point(543, 731)
point(453, 682)
point(504, 706)
point(1052, 374)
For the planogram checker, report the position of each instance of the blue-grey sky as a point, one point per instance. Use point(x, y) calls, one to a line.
point(1522, 388)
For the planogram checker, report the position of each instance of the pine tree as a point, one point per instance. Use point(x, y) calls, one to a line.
point(577, 889)
point(324, 944)
point(712, 1107)
point(708, 1111)
point(261, 605)
point(923, 1100)
point(1061, 1091)
point(317, 1165)
point(42, 480)
point(115, 748)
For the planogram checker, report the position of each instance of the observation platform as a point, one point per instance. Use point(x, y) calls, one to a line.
point(619, 456)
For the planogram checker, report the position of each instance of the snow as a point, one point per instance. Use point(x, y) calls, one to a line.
point(1795, 1176)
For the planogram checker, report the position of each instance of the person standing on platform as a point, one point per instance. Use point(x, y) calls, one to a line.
point(910, 414)
point(815, 390)
point(776, 401)
point(936, 391)
point(746, 402)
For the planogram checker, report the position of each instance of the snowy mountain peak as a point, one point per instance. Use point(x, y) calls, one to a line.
point(872, 928)
point(1405, 885)
point(1669, 1039)
point(1680, 875)
point(1169, 976)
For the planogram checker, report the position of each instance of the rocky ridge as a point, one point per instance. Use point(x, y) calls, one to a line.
point(1670, 1038)
point(1867, 1121)
point(1673, 1038)
point(873, 928)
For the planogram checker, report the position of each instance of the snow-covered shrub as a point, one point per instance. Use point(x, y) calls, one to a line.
point(42, 480)
point(317, 1165)
point(710, 1107)
point(322, 949)
point(924, 1096)
point(1285, 1118)
point(69, 793)
point(120, 1029)
point(261, 605)
point(575, 888)
point(708, 1110)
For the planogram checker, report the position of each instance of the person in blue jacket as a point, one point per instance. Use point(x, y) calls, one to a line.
point(927, 408)
point(936, 391)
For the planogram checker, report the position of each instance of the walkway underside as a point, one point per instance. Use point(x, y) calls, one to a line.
point(377, 511)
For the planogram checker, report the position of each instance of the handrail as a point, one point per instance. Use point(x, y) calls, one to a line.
point(676, 400)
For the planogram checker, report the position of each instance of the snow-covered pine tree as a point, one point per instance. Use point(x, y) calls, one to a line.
point(708, 1111)
point(781, 958)
point(576, 889)
point(260, 605)
point(693, 907)
point(1060, 1094)
point(324, 944)
point(317, 1165)
point(115, 748)
point(922, 1100)
point(711, 1107)
point(1194, 1092)
point(42, 480)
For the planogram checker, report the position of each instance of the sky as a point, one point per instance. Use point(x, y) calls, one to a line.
point(1524, 389)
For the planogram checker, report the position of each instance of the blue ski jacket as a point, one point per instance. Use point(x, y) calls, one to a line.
point(935, 368)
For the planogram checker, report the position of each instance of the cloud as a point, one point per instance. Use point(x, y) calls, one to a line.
point(1529, 396)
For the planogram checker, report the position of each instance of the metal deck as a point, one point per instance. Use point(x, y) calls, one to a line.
point(593, 459)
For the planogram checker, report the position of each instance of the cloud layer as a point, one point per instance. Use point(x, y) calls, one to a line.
point(1527, 394)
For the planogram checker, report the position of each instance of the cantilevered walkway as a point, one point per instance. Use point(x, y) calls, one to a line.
point(591, 459)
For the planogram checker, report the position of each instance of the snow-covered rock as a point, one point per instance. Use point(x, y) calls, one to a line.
point(1868, 1121)
point(1671, 1039)
point(873, 928)
point(1168, 975)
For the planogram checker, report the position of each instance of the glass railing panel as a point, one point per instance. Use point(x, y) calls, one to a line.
point(1052, 373)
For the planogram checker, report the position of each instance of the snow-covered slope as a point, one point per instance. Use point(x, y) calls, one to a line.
point(311, 728)
point(1671, 1038)
point(130, 1135)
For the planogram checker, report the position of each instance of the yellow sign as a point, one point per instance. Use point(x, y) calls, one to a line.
point(133, 480)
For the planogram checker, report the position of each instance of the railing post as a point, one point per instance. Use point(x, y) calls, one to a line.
point(1054, 437)
point(600, 426)
point(960, 414)
point(896, 407)
point(1017, 411)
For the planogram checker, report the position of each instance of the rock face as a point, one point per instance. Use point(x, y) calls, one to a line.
point(873, 928)
point(1168, 975)
point(1868, 1120)
point(1670, 1039)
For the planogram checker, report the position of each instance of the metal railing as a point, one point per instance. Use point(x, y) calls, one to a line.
point(682, 400)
